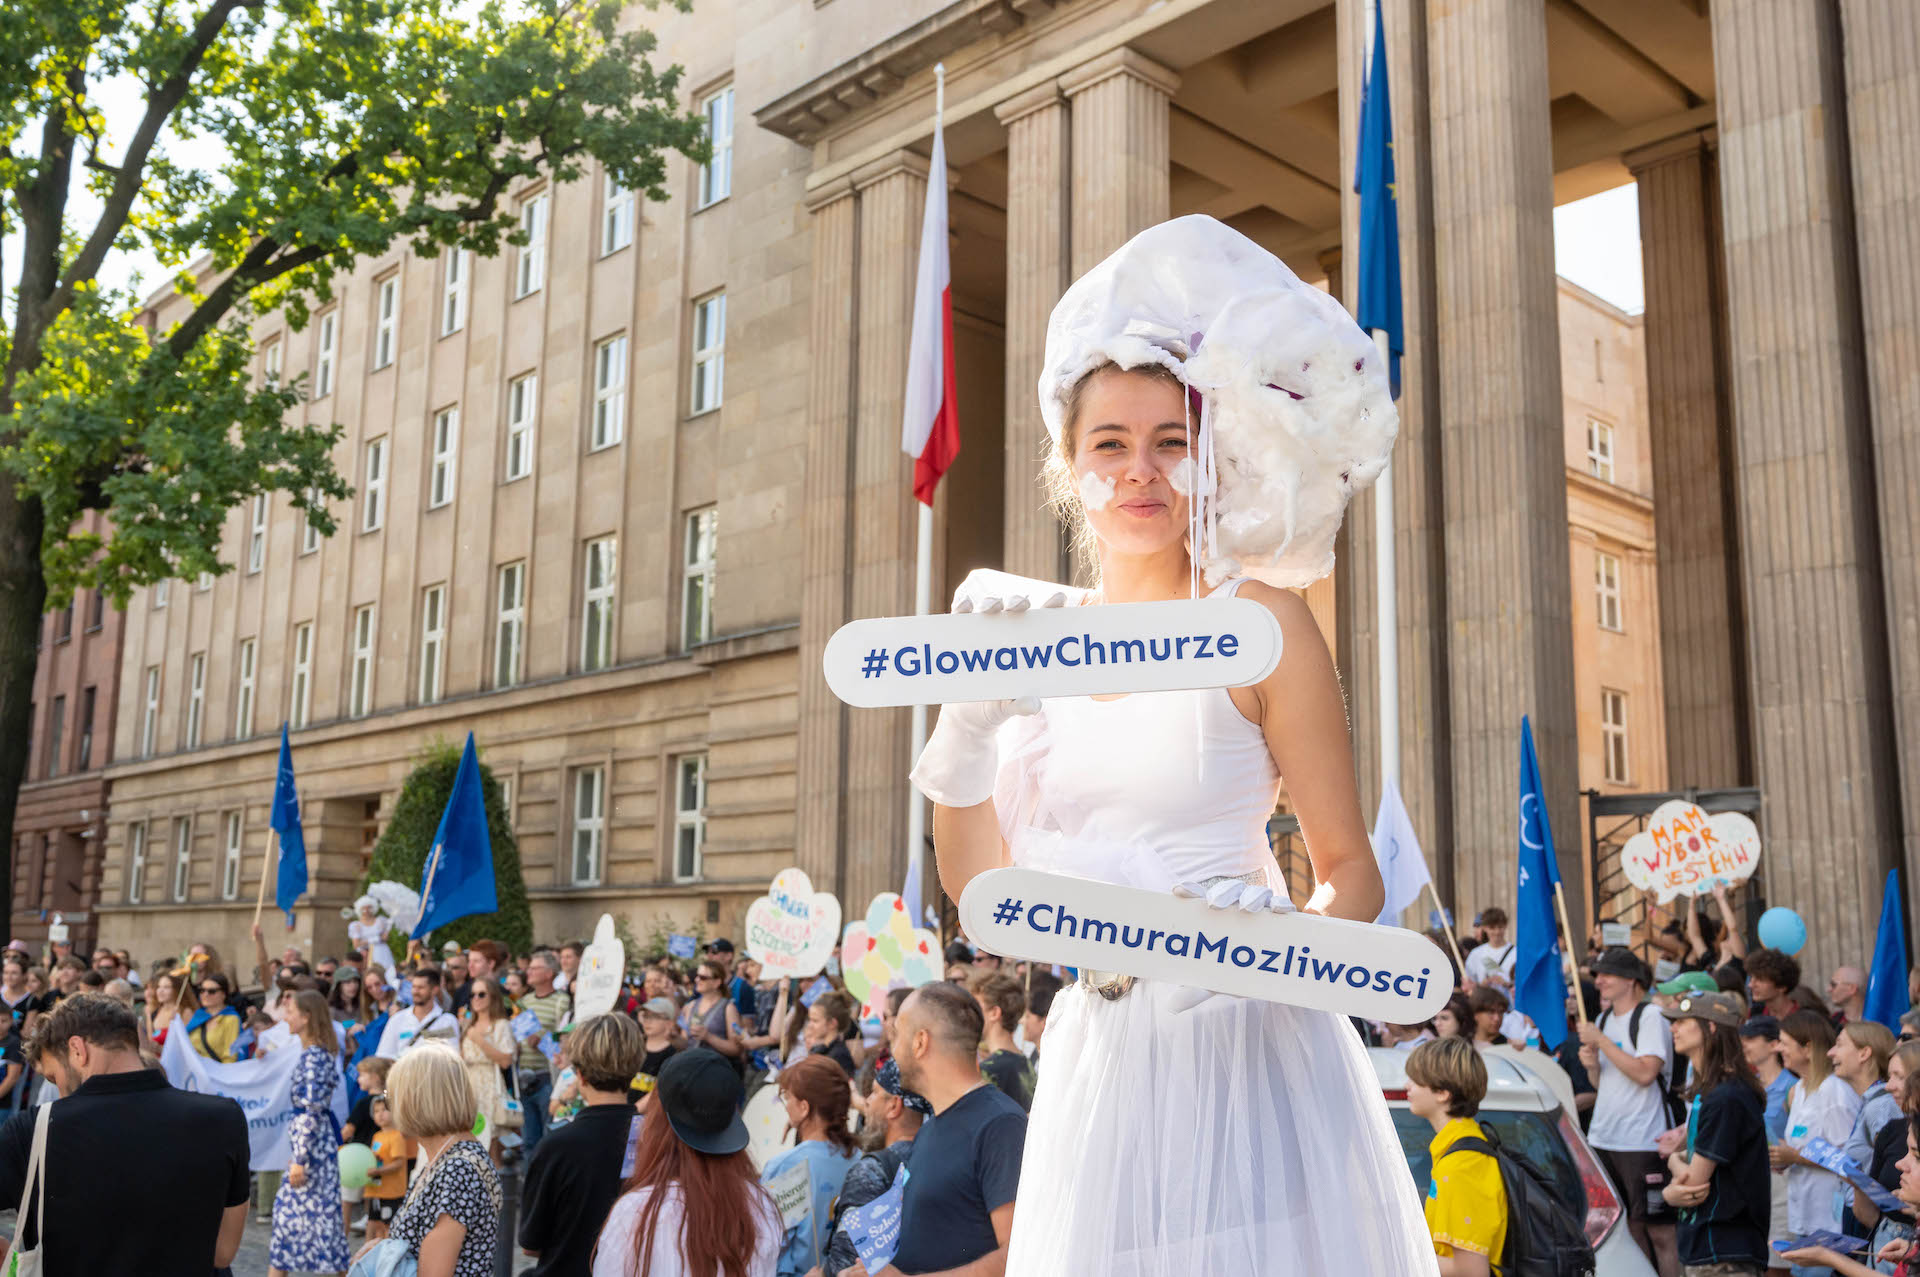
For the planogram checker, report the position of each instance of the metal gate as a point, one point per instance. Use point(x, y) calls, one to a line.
point(1614, 818)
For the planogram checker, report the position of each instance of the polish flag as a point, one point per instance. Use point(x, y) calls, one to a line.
point(930, 433)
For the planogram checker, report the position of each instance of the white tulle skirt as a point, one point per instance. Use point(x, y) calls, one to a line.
point(1178, 1132)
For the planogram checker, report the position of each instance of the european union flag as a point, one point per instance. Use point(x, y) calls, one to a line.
point(1379, 300)
point(1539, 975)
point(290, 879)
point(1887, 982)
point(458, 881)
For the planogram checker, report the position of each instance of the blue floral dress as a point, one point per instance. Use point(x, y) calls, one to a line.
point(309, 1234)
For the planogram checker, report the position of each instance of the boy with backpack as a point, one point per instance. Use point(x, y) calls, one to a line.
point(1629, 1052)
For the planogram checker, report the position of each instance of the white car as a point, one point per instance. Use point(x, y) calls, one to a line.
point(1528, 1118)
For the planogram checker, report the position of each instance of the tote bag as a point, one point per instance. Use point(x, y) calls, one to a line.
point(26, 1263)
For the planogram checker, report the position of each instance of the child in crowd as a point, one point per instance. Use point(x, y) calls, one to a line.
point(359, 1129)
point(1466, 1205)
point(388, 1186)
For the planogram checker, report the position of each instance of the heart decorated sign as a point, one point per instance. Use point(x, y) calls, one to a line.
point(884, 951)
point(1683, 851)
point(791, 931)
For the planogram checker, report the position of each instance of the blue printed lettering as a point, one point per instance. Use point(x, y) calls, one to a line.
point(1328, 971)
point(1229, 645)
point(1064, 919)
point(1062, 651)
point(1201, 653)
point(1380, 979)
point(906, 661)
point(1033, 917)
point(1151, 937)
point(1400, 980)
point(1238, 961)
point(1180, 938)
point(946, 662)
point(1006, 659)
point(1037, 656)
point(1094, 929)
point(1132, 936)
point(1220, 946)
point(1160, 649)
point(1088, 646)
point(1129, 650)
point(1272, 956)
point(976, 659)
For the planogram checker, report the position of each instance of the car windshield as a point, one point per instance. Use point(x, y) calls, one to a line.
point(1532, 1135)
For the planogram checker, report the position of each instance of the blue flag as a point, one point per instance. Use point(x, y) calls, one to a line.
point(1379, 300)
point(290, 880)
point(1887, 982)
point(458, 880)
point(1539, 975)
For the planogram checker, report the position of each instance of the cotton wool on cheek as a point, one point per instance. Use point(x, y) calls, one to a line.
point(1096, 491)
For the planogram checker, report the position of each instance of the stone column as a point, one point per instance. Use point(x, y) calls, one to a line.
point(1425, 740)
point(1119, 151)
point(1037, 261)
point(1883, 101)
point(825, 599)
point(1702, 655)
point(892, 194)
point(1803, 457)
point(1508, 594)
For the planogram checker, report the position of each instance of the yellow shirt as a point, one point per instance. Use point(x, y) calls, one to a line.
point(1466, 1205)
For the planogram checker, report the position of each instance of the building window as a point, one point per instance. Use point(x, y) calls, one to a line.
point(609, 391)
point(709, 352)
point(230, 859)
point(596, 624)
point(196, 697)
point(506, 798)
point(257, 534)
point(689, 816)
point(456, 264)
point(589, 824)
point(309, 534)
point(533, 254)
point(522, 395)
point(373, 486)
point(202, 583)
point(1613, 734)
point(433, 642)
point(150, 714)
point(162, 591)
point(270, 360)
point(386, 319)
point(136, 862)
point(243, 700)
point(63, 624)
point(696, 600)
point(361, 698)
point(1606, 589)
point(56, 735)
point(302, 684)
point(716, 176)
point(446, 433)
point(182, 857)
point(510, 630)
point(96, 611)
point(1599, 449)
point(87, 705)
point(323, 359)
point(616, 218)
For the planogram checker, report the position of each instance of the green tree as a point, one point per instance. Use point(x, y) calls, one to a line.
point(346, 126)
point(401, 854)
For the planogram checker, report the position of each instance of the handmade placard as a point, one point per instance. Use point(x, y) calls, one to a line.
point(793, 929)
point(602, 964)
point(1685, 852)
point(883, 951)
point(1069, 651)
point(1329, 964)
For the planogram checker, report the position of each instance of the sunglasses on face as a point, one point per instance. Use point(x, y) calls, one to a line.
point(212, 988)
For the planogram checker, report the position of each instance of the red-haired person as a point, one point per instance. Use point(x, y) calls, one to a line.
point(693, 1206)
point(817, 1096)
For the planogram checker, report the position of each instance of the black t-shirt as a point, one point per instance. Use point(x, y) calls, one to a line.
point(965, 1164)
point(139, 1125)
point(27, 1004)
point(572, 1183)
point(1010, 1071)
point(1730, 1227)
point(838, 1053)
point(650, 1066)
point(361, 1120)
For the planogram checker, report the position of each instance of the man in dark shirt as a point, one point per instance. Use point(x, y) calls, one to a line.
point(576, 1172)
point(965, 1164)
point(1002, 1003)
point(115, 1112)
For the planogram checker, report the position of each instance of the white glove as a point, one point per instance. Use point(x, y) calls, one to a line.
point(1234, 893)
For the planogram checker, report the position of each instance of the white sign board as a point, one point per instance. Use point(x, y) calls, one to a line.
point(1062, 651)
point(793, 929)
point(792, 1192)
point(885, 951)
point(1685, 852)
point(1328, 964)
point(597, 984)
point(263, 1088)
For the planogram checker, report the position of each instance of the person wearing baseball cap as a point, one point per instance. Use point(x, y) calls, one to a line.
point(1684, 983)
point(693, 1135)
point(1720, 1185)
point(1629, 1054)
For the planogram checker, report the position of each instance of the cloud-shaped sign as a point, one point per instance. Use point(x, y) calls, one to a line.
point(601, 966)
point(885, 951)
point(792, 929)
point(1685, 852)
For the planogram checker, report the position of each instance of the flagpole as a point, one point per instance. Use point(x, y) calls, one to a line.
point(260, 900)
point(922, 605)
point(1566, 955)
point(1446, 921)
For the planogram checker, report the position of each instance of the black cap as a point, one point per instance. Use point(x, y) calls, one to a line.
point(1623, 963)
point(722, 945)
point(701, 1096)
point(1761, 1026)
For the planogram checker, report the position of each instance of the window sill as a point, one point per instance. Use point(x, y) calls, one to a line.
point(383, 367)
point(515, 478)
point(602, 447)
point(703, 412)
point(713, 203)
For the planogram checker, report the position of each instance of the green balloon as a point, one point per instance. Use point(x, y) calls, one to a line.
point(356, 1165)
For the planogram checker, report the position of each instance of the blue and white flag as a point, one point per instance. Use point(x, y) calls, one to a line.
point(1539, 975)
point(1403, 869)
point(263, 1088)
point(290, 879)
point(1378, 305)
point(458, 879)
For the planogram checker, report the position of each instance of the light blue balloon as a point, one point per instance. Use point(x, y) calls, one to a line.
point(1783, 929)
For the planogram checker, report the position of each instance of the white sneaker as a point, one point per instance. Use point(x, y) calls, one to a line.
point(360, 1225)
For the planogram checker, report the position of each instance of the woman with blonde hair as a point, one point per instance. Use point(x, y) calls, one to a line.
point(452, 1214)
point(486, 1047)
point(309, 1233)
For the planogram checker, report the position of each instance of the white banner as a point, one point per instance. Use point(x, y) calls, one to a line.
point(1329, 964)
point(1052, 651)
point(263, 1088)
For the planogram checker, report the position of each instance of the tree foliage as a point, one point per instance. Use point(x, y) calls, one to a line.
point(401, 854)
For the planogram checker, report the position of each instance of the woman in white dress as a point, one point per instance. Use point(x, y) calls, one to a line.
point(1177, 1131)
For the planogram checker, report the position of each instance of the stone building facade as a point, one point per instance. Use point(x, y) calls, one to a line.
point(1777, 196)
